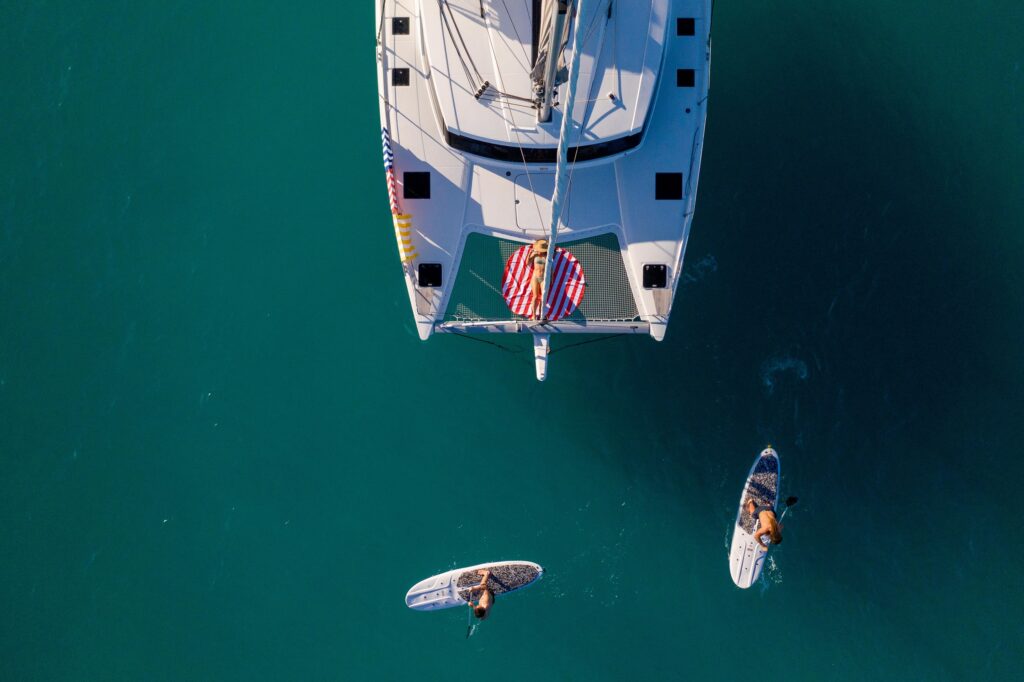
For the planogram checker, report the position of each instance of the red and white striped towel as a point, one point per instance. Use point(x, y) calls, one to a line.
point(565, 291)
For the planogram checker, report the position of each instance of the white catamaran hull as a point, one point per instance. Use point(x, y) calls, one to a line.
point(472, 173)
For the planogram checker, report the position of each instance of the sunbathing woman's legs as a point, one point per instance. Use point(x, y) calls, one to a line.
point(535, 303)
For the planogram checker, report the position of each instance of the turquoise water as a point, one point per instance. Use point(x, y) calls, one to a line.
point(227, 456)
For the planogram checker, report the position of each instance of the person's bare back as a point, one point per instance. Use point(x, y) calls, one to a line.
point(769, 524)
point(486, 599)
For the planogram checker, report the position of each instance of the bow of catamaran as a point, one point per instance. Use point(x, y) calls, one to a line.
point(577, 122)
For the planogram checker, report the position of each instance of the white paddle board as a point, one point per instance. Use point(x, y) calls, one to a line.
point(746, 557)
point(449, 589)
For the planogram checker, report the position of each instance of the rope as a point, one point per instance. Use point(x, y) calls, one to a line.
point(607, 337)
point(489, 343)
point(583, 343)
point(583, 119)
point(461, 40)
point(458, 52)
point(380, 29)
point(515, 130)
point(518, 39)
point(561, 181)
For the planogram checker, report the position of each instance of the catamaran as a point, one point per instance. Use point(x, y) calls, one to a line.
point(542, 159)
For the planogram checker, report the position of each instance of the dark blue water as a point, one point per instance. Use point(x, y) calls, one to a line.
point(227, 456)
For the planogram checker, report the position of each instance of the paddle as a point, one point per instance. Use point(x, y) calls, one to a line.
point(790, 501)
point(470, 625)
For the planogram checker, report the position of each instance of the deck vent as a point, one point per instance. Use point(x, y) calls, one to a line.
point(686, 27)
point(429, 275)
point(400, 26)
point(686, 78)
point(655, 275)
point(399, 76)
point(667, 186)
point(416, 185)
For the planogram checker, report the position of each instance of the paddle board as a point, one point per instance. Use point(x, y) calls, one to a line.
point(446, 590)
point(746, 558)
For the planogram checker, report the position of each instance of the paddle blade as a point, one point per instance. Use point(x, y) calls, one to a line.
point(790, 501)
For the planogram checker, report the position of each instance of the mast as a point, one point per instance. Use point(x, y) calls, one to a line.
point(562, 167)
point(554, 17)
point(541, 339)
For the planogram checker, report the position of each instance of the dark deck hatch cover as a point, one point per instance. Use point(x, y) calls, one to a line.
point(429, 275)
point(686, 27)
point(416, 185)
point(667, 186)
point(655, 275)
point(399, 77)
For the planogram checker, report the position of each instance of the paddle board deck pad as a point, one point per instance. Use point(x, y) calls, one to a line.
point(450, 589)
point(746, 557)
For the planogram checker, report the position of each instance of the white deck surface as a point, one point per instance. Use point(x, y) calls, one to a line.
point(635, 55)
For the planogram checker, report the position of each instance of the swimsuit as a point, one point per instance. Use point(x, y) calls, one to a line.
point(538, 267)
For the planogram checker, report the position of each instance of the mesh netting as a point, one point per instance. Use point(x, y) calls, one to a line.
point(477, 292)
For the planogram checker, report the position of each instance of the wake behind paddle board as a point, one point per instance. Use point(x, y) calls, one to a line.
point(450, 589)
point(746, 557)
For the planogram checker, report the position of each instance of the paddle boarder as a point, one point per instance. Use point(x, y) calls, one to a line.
point(770, 526)
point(486, 599)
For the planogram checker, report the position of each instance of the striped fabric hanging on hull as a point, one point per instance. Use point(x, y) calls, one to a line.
point(402, 221)
point(403, 233)
point(389, 171)
point(568, 283)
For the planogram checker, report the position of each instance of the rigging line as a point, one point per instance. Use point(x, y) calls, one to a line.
point(515, 30)
point(579, 139)
point(462, 40)
point(498, 93)
point(380, 29)
point(458, 52)
point(489, 343)
point(502, 93)
point(519, 141)
point(382, 60)
point(462, 58)
point(526, 169)
point(557, 220)
point(561, 186)
point(583, 343)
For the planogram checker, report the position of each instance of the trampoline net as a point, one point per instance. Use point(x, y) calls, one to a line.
point(477, 297)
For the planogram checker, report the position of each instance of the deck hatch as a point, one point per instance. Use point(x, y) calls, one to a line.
point(686, 78)
point(429, 275)
point(399, 77)
point(655, 275)
point(668, 186)
point(686, 26)
point(416, 184)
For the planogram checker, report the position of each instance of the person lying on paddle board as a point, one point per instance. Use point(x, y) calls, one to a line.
point(486, 599)
point(769, 524)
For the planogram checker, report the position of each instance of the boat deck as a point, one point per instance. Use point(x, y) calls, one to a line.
point(477, 297)
point(464, 213)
